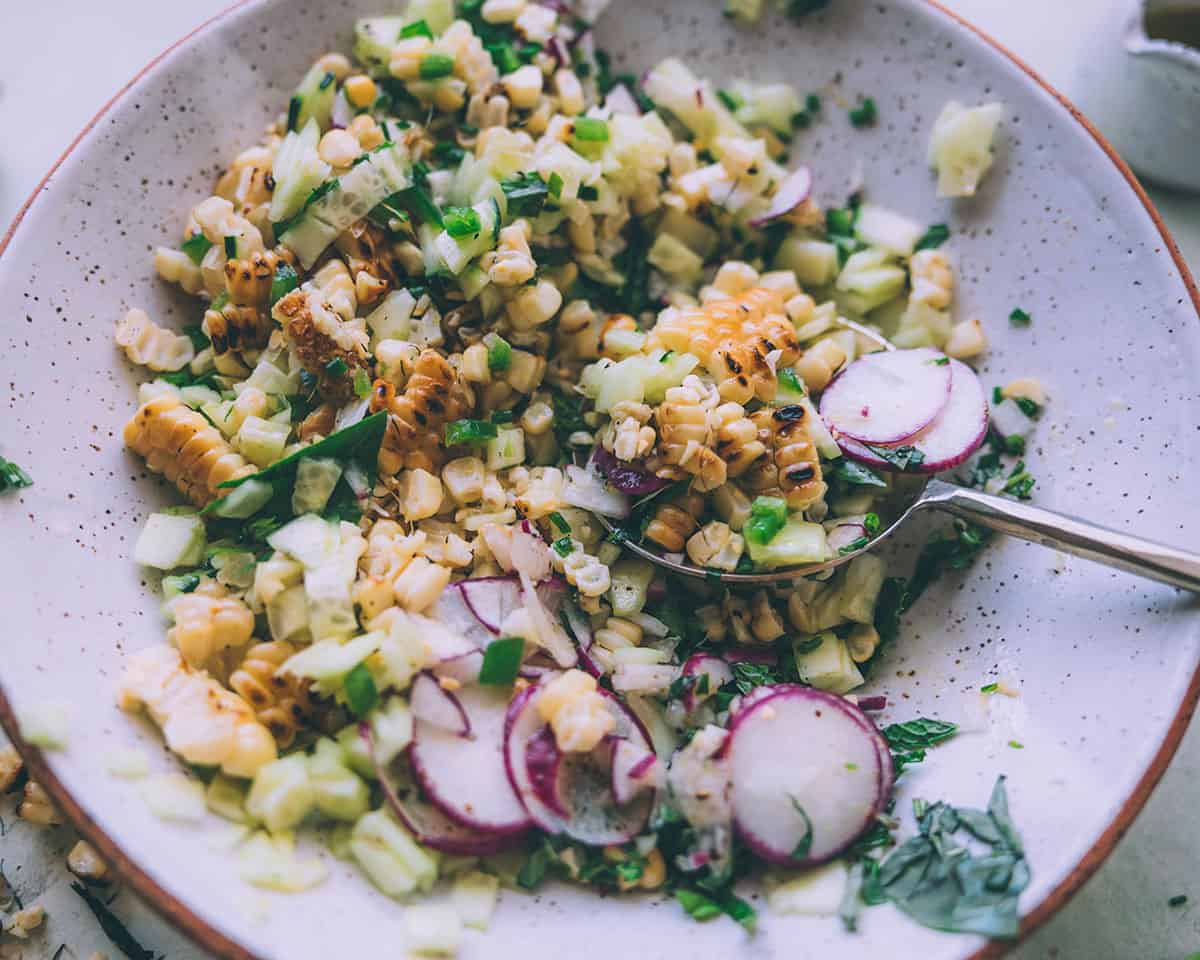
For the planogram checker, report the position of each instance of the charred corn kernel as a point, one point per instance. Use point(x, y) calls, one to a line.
point(201, 721)
point(684, 438)
point(339, 148)
point(335, 63)
point(22, 923)
point(736, 438)
point(511, 263)
point(674, 522)
point(862, 641)
point(712, 622)
point(149, 345)
point(716, 545)
point(502, 11)
point(932, 279)
point(419, 584)
point(618, 633)
point(966, 340)
point(395, 359)
point(361, 90)
point(819, 363)
point(542, 494)
point(464, 478)
point(731, 505)
point(1027, 387)
point(797, 461)
point(11, 766)
point(85, 862)
point(576, 712)
point(420, 496)
point(433, 396)
point(537, 418)
point(281, 701)
point(36, 806)
point(523, 86)
point(207, 626)
point(533, 306)
point(765, 623)
point(737, 615)
point(576, 315)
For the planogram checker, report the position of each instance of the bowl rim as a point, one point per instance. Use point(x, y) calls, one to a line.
point(210, 938)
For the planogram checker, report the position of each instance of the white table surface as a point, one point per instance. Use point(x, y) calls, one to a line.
point(61, 60)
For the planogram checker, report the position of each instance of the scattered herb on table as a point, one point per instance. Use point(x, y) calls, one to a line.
point(13, 477)
point(934, 237)
point(864, 115)
point(1019, 318)
point(113, 928)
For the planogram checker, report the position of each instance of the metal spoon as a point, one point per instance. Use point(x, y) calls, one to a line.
point(1060, 531)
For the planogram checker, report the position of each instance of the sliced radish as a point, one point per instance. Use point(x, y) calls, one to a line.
point(717, 672)
point(793, 190)
point(843, 534)
point(956, 433)
point(750, 655)
point(433, 704)
point(490, 599)
point(634, 769)
point(456, 614)
point(804, 806)
point(626, 477)
point(887, 397)
point(544, 763)
point(430, 826)
point(583, 781)
point(465, 777)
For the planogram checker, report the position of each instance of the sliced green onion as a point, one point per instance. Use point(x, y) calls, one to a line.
point(934, 237)
point(284, 282)
point(812, 103)
point(418, 29)
point(434, 66)
point(555, 185)
point(461, 222)
point(791, 381)
point(499, 355)
point(1019, 318)
point(767, 517)
point(293, 115)
point(563, 546)
point(326, 81)
point(732, 102)
point(501, 661)
point(864, 115)
point(196, 246)
point(590, 130)
point(231, 248)
point(504, 57)
point(361, 692)
point(470, 431)
point(503, 416)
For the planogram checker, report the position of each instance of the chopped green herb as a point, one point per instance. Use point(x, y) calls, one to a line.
point(231, 247)
point(666, 356)
point(801, 120)
point(533, 871)
point(864, 115)
point(853, 546)
point(284, 282)
point(997, 396)
point(805, 843)
point(989, 688)
point(196, 246)
point(477, 432)
point(461, 222)
point(799, 8)
point(336, 367)
point(1019, 318)
point(840, 221)
point(293, 114)
point(563, 546)
point(902, 457)
point(939, 361)
point(499, 355)
point(362, 383)
point(361, 692)
point(1030, 408)
point(1016, 745)
point(808, 645)
point(945, 552)
point(748, 675)
point(934, 237)
point(1178, 900)
point(791, 381)
point(195, 333)
point(812, 103)
point(568, 416)
point(183, 583)
point(1020, 482)
point(731, 101)
point(588, 194)
point(589, 130)
point(447, 153)
point(871, 523)
point(767, 517)
point(418, 29)
point(555, 185)
point(501, 661)
point(326, 81)
point(698, 905)
point(526, 194)
point(1014, 445)
point(13, 477)
point(434, 66)
point(560, 521)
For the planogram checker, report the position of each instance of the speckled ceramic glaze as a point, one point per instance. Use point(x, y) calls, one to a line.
point(1104, 663)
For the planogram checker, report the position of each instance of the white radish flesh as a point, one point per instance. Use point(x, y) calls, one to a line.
point(432, 704)
point(465, 777)
point(887, 397)
point(793, 190)
point(490, 599)
point(634, 769)
point(716, 672)
point(808, 774)
point(844, 534)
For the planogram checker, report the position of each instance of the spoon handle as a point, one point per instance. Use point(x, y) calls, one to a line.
point(1179, 568)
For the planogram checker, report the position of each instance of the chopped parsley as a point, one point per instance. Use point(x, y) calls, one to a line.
point(731, 101)
point(1019, 318)
point(196, 246)
point(934, 237)
point(1030, 408)
point(499, 355)
point(362, 383)
point(1178, 900)
point(461, 222)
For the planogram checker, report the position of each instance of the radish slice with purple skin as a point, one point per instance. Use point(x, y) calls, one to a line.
point(844, 534)
point(429, 825)
point(490, 599)
point(544, 764)
point(887, 397)
point(432, 704)
point(584, 781)
point(957, 432)
point(793, 190)
point(810, 808)
point(715, 670)
point(465, 777)
point(634, 769)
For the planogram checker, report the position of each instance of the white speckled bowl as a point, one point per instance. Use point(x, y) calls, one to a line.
point(1106, 664)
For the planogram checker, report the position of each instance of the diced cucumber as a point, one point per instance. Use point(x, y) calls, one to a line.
point(630, 579)
point(262, 441)
point(330, 602)
point(814, 262)
point(821, 436)
point(798, 542)
point(315, 98)
point(392, 319)
point(354, 751)
point(456, 253)
point(309, 539)
point(768, 104)
point(268, 378)
point(273, 864)
point(390, 857)
point(472, 281)
point(392, 728)
point(328, 661)
point(316, 478)
point(624, 342)
point(785, 392)
point(474, 895)
point(197, 396)
point(674, 86)
point(298, 171)
point(401, 655)
point(506, 449)
point(337, 791)
point(887, 230)
point(437, 14)
point(356, 193)
point(664, 372)
point(870, 278)
point(696, 235)
point(168, 541)
point(625, 380)
point(433, 929)
point(828, 666)
point(674, 259)
point(226, 797)
point(860, 589)
point(374, 38)
point(961, 146)
point(287, 613)
point(245, 500)
point(282, 793)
